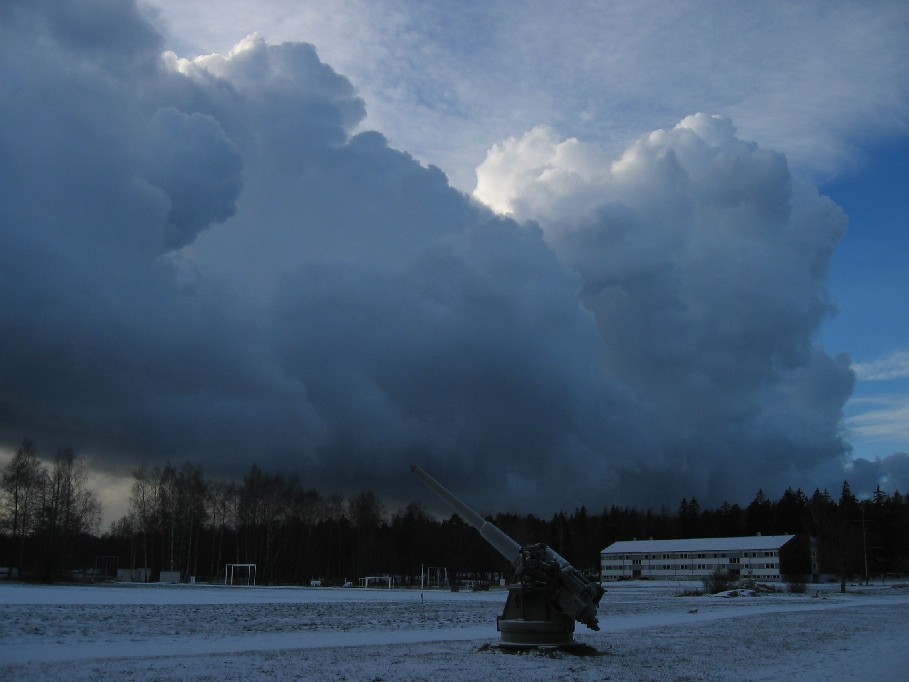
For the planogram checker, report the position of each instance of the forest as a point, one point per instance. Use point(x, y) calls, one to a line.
point(181, 521)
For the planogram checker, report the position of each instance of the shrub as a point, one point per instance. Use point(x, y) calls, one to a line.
point(718, 581)
point(796, 585)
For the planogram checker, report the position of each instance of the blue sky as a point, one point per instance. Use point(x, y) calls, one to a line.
point(600, 241)
point(868, 282)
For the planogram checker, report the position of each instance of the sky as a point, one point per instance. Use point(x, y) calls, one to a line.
point(586, 254)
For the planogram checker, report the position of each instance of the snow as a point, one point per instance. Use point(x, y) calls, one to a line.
point(179, 632)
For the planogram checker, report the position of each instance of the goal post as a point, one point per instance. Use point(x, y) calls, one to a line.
point(376, 581)
point(239, 574)
point(437, 576)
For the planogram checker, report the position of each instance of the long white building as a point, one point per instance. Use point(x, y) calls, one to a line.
point(757, 557)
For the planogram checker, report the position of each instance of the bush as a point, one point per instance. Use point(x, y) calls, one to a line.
point(796, 585)
point(718, 581)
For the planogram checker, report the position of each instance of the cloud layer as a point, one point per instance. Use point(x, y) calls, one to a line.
point(821, 85)
point(204, 260)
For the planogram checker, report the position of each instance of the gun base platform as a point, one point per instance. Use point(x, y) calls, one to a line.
point(530, 621)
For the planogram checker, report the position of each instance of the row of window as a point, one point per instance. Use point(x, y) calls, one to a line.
point(684, 567)
point(637, 558)
point(733, 561)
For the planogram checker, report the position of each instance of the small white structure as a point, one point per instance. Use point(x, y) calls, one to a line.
point(169, 577)
point(753, 556)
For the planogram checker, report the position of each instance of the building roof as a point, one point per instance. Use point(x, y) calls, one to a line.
point(737, 544)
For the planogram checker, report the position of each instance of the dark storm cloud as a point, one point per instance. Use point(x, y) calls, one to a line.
point(890, 473)
point(202, 260)
point(197, 167)
point(104, 345)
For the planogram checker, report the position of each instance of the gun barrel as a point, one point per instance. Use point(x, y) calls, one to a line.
point(501, 542)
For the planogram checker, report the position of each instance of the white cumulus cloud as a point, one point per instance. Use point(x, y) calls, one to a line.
point(704, 262)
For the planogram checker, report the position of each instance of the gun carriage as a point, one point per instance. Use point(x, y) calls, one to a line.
point(549, 594)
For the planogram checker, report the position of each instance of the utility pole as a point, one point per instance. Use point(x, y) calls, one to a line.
point(864, 545)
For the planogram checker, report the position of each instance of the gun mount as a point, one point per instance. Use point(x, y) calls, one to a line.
point(550, 594)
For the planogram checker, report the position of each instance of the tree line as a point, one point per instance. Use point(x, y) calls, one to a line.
point(46, 512)
point(179, 520)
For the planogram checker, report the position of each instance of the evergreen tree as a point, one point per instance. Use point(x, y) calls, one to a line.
point(790, 513)
point(759, 515)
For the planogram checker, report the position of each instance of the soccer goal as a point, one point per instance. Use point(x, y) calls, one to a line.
point(437, 576)
point(239, 574)
point(107, 566)
point(376, 581)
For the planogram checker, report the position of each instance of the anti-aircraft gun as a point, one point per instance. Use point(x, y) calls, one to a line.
point(550, 594)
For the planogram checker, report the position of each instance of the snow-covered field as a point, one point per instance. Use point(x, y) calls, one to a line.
point(177, 632)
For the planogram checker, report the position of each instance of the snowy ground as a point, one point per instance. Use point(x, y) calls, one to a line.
point(177, 632)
